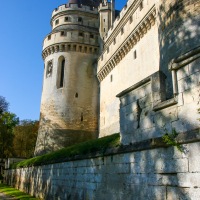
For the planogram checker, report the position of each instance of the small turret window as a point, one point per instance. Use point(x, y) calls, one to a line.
point(62, 33)
point(141, 5)
point(108, 50)
point(49, 37)
point(80, 34)
point(68, 19)
point(80, 19)
point(135, 54)
point(131, 19)
point(122, 31)
point(114, 41)
point(91, 36)
point(57, 22)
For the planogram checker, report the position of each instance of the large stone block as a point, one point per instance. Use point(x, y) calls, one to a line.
point(187, 121)
point(189, 82)
point(194, 157)
point(183, 72)
point(162, 179)
point(194, 66)
point(188, 180)
point(192, 96)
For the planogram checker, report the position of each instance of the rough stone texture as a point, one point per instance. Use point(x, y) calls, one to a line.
point(158, 173)
point(175, 32)
point(141, 121)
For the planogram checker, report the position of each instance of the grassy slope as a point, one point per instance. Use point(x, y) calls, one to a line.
point(15, 193)
point(92, 146)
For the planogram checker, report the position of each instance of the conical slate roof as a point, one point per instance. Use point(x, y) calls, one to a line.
point(93, 3)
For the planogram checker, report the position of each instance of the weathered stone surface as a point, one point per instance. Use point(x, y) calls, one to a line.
point(148, 172)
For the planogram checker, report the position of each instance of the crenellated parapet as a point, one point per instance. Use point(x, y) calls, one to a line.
point(140, 30)
point(74, 7)
point(73, 14)
point(74, 29)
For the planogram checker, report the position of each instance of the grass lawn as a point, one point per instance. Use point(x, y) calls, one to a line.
point(92, 146)
point(14, 193)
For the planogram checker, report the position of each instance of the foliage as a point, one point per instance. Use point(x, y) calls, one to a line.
point(170, 139)
point(25, 135)
point(15, 193)
point(92, 146)
point(7, 122)
point(1, 177)
point(3, 105)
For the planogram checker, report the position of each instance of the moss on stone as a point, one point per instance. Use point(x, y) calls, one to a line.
point(97, 146)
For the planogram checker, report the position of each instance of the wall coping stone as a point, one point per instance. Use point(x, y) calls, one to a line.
point(182, 138)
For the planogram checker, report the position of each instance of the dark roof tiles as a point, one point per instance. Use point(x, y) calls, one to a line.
point(94, 3)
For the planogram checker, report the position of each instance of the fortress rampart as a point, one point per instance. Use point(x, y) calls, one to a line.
point(148, 66)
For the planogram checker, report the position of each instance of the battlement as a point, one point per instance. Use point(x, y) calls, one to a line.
point(131, 6)
point(125, 34)
point(104, 6)
point(77, 7)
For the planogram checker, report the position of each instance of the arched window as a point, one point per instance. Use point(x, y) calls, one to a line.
point(61, 72)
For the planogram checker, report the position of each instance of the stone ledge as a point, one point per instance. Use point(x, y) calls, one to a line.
point(165, 104)
point(135, 86)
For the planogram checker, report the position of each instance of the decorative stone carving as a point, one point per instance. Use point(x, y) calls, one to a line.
point(49, 69)
point(65, 47)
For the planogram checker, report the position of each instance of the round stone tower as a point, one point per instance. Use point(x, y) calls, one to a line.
point(69, 105)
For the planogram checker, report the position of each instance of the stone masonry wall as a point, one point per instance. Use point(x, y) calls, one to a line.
point(146, 113)
point(144, 171)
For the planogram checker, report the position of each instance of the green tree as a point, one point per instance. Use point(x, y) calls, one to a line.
point(25, 135)
point(7, 122)
point(3, 105)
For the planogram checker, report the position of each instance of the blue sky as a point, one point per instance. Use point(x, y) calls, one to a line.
point(24, 24)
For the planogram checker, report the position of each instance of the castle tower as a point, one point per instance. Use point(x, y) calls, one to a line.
point(106, 15)
point(70, 87)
